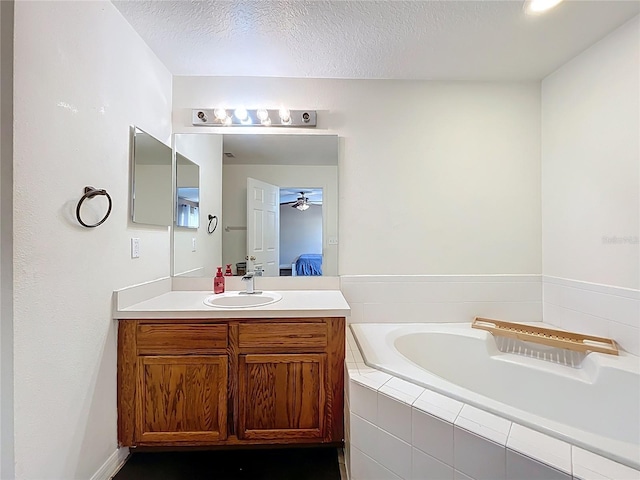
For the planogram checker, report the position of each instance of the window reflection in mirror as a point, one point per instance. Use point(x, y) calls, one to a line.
point(187, 192)
point(151, 180)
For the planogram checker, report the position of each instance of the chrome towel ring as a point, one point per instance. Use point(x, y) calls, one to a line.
point(90, 192)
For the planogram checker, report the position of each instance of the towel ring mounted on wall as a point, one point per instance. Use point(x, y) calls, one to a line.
point(215, 225)
point(90, 192)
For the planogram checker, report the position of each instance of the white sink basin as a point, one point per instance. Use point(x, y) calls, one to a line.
point(241, 299)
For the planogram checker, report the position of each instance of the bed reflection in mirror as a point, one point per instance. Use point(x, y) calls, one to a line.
point(300, 231)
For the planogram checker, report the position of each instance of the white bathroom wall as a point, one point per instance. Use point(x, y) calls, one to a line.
point(435, 177)
point(6, 240)
point(82, 77)
point(591, 190)
point(206, 151)
point(591, 163)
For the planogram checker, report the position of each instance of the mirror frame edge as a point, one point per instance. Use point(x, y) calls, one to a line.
point(132, 170)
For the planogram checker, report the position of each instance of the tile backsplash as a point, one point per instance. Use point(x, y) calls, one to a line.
point(442, 298)
point(594, 309)
point(572, 305)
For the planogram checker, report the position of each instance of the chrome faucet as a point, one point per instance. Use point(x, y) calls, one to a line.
point(249, 278)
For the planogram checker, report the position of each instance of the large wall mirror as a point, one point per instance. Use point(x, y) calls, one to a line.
point(279, 204)
point(151, 179)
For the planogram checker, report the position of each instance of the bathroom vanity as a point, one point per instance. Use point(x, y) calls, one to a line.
point(193, 375)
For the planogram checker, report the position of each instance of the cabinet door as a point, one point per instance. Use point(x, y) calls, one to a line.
point(282, 396)
point(181, 399)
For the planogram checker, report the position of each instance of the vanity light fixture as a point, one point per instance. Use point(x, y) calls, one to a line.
point(285, 115)
point(534, 7)
point(262, 117)
point(241, 114)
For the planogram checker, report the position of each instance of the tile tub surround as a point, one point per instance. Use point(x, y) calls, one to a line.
point(569, 304)
point(448, 439)
point(594, 309)
point(442, 298)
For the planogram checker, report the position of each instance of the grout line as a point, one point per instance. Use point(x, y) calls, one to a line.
point(587, 314)
point(612, 290)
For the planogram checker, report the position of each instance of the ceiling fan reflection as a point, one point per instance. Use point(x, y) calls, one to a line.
point(302, 203)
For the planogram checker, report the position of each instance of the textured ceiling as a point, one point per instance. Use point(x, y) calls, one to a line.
point(475, 40)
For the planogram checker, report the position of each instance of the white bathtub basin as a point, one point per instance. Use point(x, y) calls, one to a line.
point(595, 406)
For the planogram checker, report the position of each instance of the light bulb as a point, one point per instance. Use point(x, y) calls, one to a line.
point(220, 113)
point(266, 123)
point(539, 6)
point(241, 113)
point(262, 114)
point(285, 115)
point(228, 121)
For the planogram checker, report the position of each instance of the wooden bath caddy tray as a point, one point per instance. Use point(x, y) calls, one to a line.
point(547, 336)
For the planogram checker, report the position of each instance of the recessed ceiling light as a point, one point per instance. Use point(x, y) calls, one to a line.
point(534, 7)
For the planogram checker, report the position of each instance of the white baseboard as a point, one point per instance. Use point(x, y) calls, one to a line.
point(112, 465)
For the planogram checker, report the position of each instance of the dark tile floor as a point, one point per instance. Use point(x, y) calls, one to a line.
point(267, 464)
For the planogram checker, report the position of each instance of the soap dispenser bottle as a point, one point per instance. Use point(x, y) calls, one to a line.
point(228, 272)
point(218, 282)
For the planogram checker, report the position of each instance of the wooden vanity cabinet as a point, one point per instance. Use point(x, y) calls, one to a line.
point(181, 398)
point(230, 382)
point(282, 396)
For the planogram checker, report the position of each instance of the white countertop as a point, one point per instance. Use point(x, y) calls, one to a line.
point(190, 304)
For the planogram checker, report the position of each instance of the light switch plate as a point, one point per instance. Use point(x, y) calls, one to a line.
point(135, 248)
